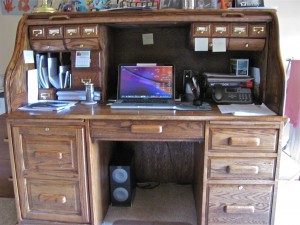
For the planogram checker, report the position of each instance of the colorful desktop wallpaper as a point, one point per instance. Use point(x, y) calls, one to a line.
point(146, 82)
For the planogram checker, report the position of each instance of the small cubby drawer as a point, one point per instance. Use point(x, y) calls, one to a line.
point(246, 44)
point(241, 168)
point(220, 30)
point(47, 45)
point(243, 204)
point(146, 130)
point(82, 44)
point(201, 30)
point(89, 30)
point(239, 30)
point(72, 31)
point(243, 139)
point(258, 30)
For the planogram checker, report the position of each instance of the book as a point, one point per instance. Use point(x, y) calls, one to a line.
point(48, 105)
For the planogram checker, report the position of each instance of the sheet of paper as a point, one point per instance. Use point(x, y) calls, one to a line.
point(219, 45)
point(246, 110)
point(201, 44)
point(32, 85)
point(148, 39)
point(28, 56)
point(83, 59)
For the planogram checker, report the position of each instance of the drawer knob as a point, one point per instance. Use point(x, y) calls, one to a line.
point(47, 129)
point(244, 141)
point(234, 169)
point(53, 198)
point(146, 129)
point(239, 209)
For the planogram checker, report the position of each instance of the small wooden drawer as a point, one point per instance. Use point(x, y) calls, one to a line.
point(55, 200)
point(47, 94)
point(90, 30)
point(258, 30)
point(243, 139)
point(51, 148)
point(54, 32)
point(146, 130)
point(37, 32)
point(72, 31)
point(241, 168)
point(47, 45)
point(246, 44)
point(239, 30)
point(243, 204)
point(201, 30)
point(220, 30)
point(82, 44)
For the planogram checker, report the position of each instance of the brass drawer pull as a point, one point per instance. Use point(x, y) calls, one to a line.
point(244, 141)
point(233, 169)
point(239, 209)
point(146, 129)
point(258, 30)
point(48, 155)
point(53, 198)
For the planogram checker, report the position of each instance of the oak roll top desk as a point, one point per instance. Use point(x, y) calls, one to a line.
point(60, 159)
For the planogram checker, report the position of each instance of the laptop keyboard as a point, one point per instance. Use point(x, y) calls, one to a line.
point(143, 101)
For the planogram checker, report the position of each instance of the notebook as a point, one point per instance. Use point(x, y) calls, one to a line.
point(146, 86)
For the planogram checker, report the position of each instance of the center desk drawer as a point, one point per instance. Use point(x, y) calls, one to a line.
point(243, 139)
point(146, 130)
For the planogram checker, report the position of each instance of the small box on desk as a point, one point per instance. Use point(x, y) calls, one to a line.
point(239, 67)
point(47, 94)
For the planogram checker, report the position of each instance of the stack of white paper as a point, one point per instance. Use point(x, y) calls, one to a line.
point(246, 110)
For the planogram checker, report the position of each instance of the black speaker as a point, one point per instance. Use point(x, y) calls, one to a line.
point(122, 179)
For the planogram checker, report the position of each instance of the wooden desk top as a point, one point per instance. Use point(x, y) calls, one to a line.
point(103, 112)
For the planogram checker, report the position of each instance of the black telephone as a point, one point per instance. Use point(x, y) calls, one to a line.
point(237, 95)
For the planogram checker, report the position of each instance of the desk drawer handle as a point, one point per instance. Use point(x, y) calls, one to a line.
point(239, 209)
point(53, 198)
point(48, 155)
point(146, 129)
point(233, 169)
point(244, 141)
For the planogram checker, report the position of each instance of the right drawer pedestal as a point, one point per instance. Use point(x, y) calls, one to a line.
point(240, 183)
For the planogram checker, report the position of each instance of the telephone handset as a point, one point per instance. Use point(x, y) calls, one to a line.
point(232, 95)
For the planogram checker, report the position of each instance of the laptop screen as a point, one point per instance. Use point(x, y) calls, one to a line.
point(146, 81)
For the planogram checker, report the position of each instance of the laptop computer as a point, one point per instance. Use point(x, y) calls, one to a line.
point(145, 86)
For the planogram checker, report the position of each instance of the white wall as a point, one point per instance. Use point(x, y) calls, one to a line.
point(289, 18)
point(8, 27)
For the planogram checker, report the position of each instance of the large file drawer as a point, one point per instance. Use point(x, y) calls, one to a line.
point(243, 139)
point(54, 200)
point(146, 130)
point(245, 168)
point(239, 204)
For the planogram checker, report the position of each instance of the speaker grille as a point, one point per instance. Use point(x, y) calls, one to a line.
point(119, 175)
point(120, 194)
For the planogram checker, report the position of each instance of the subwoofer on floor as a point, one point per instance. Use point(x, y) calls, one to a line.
point(122, 182)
